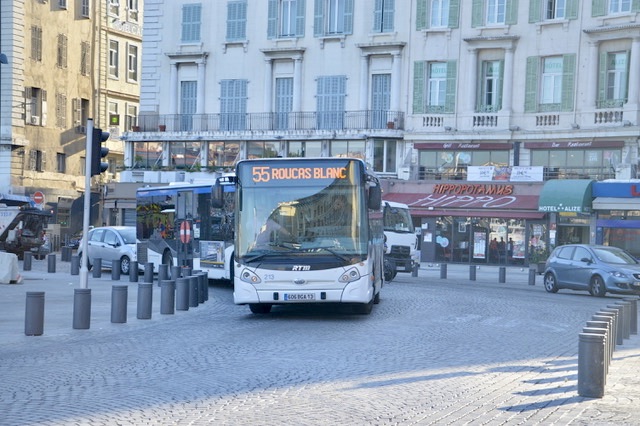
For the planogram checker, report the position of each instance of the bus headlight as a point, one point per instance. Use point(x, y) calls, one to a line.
point(249, 277)
point(349, 275)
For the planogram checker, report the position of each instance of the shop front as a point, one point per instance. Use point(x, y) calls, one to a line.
point(477, 223)
point(617, 208)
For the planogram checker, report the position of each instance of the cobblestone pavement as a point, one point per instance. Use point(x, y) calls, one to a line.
point(434, 351)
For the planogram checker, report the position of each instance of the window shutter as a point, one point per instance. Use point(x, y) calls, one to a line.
point(318, 18)
point(422, 23)
point(300, 7)
point(511, 13)
point(635, 5)
point(602, 78)
point(535, 11)
point(625, 82)
point(568, 81)
point(348, 17)
point(28, 93)
point(572, 9)
point(531, 84)
point(477, 13)
point(454, 13)
point(272, 19)
point(43, 119)
point(236, 20)
point(388, 15)
point(450, 96)
point(500, 86)
point(418, 87)
point(377, 16)
point(598, 8)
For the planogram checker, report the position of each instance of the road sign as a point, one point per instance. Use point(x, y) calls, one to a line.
point(38, 197)
point(185, 232)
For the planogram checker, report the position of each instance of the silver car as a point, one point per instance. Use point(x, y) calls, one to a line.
point(111, 243)
point(595, 268)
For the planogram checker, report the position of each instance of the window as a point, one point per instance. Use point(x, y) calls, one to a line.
point(233, 104)
point(453, 163)
point(131, 119)
point(61, 110)
point(113, 58)
point(61, 163)
point(619, 6)
point(132, 5)
point(35, 106)
point(188, 104)
point(434, 87)
point(191, 22)
point(383, 16)
point(380, 100)
point(284, 102)
point(36, 160)
point(114, 7)
point(605, 7)
point(437, 14)
point(490, 87)
point(236, 20)
point(550, 83)
point(62, 4)
point(85, 8)
point(132, 63)
point(61, 57)
point(614, 74)
point(304, 149)
point(330, 96)
point(577, 163)
point(555, 9)
point(36, 43)
point(85, 58)
point(76, 111)
point(437, 86)
point(262, 149)
point(384, 156)
point(332, 17)
point(353, 149)
point(494, 12)
point(285, 18)
point(549, 10)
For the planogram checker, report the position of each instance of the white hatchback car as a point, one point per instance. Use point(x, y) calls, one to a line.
point(111, 243)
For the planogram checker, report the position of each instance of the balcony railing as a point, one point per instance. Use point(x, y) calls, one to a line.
point(596, 173)
point(274, 121)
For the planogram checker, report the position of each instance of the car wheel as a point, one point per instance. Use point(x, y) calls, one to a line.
point(260, 308)
point(597, 287)
point(550, 283)
point(125, 265)
point(389, 270)
point(89, 266)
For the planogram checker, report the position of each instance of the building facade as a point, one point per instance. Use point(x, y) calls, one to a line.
point(431, 93)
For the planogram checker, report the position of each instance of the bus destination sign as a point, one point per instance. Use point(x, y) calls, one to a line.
point(264, 174)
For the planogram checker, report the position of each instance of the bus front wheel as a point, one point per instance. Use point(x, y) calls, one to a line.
point(260, 308)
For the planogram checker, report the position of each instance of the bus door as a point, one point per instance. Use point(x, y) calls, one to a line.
point(184, 228)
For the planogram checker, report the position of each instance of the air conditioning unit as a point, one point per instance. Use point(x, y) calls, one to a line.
point(35, 120)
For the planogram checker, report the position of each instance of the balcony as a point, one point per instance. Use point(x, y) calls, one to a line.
point(274, 121)
point(460, 173)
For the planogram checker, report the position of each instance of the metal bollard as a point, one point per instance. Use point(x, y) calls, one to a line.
point(119, 303)
point(201, 286)
point(81, 308)
point(182, 294)
point(66, 254)
point(502, 274)
point(34, 314)
point(532, 276)
point(634, 314)
point(75, 265)
point(472, 272)
point(28, 257)
point(115, 269)
point(626, 324)
point(145, 299)
point(175, 272)
point(414, 270)
point(148, 272)
point(193, 291)
point(133, 271)
point(51, 263)
point(617, 324)
point(97, 268)
point(205, 279)
point(591, 365)
point(163, 272)
point(443, 271)
point(167, 297)
point(186, 271)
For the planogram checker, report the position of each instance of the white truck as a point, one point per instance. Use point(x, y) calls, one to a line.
point(401, 241)
point(22, 229)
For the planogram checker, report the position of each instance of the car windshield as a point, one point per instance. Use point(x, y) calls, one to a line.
point(128, 235)
point(613, 255)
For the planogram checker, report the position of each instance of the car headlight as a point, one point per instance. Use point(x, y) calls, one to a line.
point(618, 274)
point(349, 275)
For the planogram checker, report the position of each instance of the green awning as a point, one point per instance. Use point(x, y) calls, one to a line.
point(566, 195)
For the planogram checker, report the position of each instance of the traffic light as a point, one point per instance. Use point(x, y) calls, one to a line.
point(98, 152)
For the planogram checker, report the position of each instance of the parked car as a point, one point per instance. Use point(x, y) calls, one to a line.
point(597, 269)
point(74, 240)
point(111, 243)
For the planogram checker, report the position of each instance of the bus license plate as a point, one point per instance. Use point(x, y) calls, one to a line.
point(299, 296)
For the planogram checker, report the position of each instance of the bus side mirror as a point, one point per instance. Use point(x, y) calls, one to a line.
point(375, 197)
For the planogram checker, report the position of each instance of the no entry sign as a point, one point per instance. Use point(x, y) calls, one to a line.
point(185, 232)
point(38, 197)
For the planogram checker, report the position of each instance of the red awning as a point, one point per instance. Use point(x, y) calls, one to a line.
point(477, 205)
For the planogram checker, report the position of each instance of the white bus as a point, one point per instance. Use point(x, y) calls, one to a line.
point(296, 242)
point(401, 241)
point(187, 224)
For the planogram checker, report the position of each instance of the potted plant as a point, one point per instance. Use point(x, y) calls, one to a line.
point(538, 258)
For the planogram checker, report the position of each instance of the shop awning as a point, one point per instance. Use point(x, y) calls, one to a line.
point(613, 203)
point(566, 195)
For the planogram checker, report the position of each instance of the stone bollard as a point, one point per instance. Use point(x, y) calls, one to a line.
point(97, 268)
point(621, 321)
point(148, 272)
point(205, 280)
point(472, 272)
point(200, 276)
point(28, 257)
point(634, 314)
point(604, 326)
point(443, 271)
point(167, 297)
point(81, 308)
point(613, 317)
point(34, 314)
point(145, 299)
point(186, 271)
point(175, 272)
point(163, 272)
point(75, 265)
point(532, 276)
point(182, 294)
point(591, 365)
point(115, 269)
point(193, 291)
point(608, 320)
point(66, 254)
point(119, 303)
point(626, 324)
point(502, 274)
point(51, 263)
point(133, 271)
point(617, 324)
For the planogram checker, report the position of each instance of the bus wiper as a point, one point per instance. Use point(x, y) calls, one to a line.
point(333, 252)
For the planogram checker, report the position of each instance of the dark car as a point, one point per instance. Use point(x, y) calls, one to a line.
point(597, 269)
point(74, 240)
